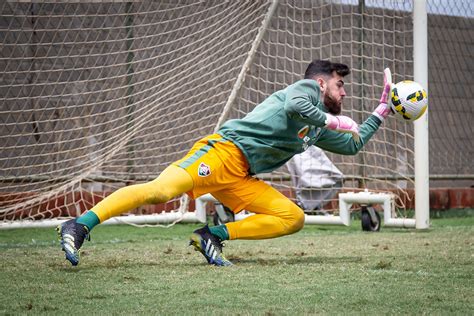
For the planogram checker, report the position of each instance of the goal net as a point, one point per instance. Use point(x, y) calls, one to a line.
point(98, 95)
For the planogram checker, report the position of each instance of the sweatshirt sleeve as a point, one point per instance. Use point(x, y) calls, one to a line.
point(303, 103)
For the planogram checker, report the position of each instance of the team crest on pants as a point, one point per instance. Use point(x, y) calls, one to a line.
point(204, 170)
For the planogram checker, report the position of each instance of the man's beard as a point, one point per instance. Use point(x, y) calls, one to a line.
point(334, 107)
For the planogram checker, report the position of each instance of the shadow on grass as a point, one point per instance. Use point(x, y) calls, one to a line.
point(110, 264)
point(295, 260)
point(236, 260)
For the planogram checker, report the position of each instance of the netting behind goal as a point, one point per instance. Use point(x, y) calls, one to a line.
point(98, 95)
point(365, 38)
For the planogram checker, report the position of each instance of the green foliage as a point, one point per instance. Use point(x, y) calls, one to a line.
point(320, 270)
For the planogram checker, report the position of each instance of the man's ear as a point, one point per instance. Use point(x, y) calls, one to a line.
point(322, 84)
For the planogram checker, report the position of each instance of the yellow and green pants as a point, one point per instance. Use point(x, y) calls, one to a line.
point(214, 165)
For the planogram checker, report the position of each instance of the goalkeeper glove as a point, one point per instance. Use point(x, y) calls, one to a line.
point(383, 110)
point(342, 124)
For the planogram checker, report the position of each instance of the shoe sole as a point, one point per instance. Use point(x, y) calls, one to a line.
point(72, 255)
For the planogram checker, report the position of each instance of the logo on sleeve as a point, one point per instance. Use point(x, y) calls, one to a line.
point(204, 170)
point(303, 132)
point(308, 135)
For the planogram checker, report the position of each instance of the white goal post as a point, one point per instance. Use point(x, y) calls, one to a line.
point(421, 146)
point(98, 95)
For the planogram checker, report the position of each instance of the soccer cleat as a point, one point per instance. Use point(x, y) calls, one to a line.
point(72, 235)
point(210, 246)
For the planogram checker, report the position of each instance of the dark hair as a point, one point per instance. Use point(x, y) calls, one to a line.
point(325, 67)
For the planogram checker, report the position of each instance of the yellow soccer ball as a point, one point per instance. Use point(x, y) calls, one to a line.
point(408, 100)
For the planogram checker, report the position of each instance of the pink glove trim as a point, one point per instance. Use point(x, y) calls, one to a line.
point(385, 93)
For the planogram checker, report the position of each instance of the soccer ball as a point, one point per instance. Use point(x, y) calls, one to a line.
point(408, 100)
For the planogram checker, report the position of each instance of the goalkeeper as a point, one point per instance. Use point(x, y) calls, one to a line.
point(303, 114)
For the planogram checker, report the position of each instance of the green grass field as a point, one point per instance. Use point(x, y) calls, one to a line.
point(320, 270)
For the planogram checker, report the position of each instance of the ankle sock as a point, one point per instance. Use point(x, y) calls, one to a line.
point(220, 231)
point(88, 219)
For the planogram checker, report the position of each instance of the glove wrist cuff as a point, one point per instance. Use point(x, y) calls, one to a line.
point(382, 111)
point(332, 122)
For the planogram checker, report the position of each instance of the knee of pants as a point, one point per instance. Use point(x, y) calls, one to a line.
point(156, 193)
point(296, 219)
